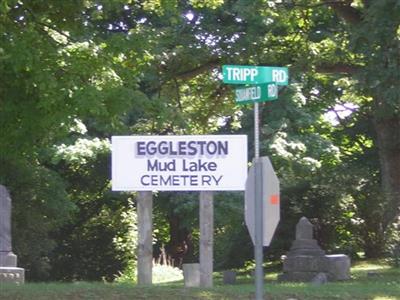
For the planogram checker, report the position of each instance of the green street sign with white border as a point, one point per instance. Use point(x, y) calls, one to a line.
point(257, 93)
point(237, 74)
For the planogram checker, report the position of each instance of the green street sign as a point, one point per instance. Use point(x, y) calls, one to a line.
point(236, 74)
point(257, 93)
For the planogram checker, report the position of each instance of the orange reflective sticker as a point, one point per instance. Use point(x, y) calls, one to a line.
point(274, 199)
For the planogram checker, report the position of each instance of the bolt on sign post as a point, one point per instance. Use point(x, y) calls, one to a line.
point(255, 76)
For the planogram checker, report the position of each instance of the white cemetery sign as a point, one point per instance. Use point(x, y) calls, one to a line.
point(179, 163)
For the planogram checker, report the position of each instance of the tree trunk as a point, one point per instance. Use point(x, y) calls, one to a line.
point(374, 238)
point(180, 247)
point(388, 143)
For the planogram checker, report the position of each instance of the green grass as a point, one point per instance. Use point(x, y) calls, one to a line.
point(384, 285)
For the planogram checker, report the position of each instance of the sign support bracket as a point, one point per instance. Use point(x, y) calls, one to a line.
point(206, 209)
point(145, 243)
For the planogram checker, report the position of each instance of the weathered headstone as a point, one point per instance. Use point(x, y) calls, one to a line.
point(306, 259)
point(229, 277)
point(304, 243)
point(373, 274)
point(339, 266)
point(319, 279)
point(191, 274)
point(8, 260)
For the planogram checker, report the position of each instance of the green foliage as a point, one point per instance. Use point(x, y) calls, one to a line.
point(40, 206)
point(54, 76)
point(77, 80)
point(126, 240)
point(76, 72)
point(230, 233)
point(162, 273)
point(102, 233)
point(166, 273)
point(177, 222)
point(81, 151)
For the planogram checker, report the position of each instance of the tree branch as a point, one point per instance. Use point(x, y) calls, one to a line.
point(344, 10)
point(178, 95)
point(342, 7)
point(51, 27)
point(198, 70)
point(338, 68)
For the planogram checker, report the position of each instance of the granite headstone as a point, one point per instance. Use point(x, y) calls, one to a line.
point(8, 260)
point(306, 259)
point(191, 274)
point(229, 277)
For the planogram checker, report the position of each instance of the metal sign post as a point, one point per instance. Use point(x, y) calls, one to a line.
point(258, 213)
point(261, 203)
point(257, 77)
point(256, 131)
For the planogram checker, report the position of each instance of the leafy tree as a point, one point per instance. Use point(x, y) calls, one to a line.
point(40, 206)
point(53, 75)
point(101, 234)
point(152, 67)
point(342, 51)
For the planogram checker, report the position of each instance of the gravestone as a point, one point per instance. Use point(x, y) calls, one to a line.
point(319, 279)
point(8, 260)
point(304, 243)
point(229, 277)
point(306, 260)
point(191, 274)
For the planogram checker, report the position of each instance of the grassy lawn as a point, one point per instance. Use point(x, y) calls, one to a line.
point(383, 285)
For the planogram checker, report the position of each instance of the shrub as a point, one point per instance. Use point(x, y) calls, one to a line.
point(161, 273)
